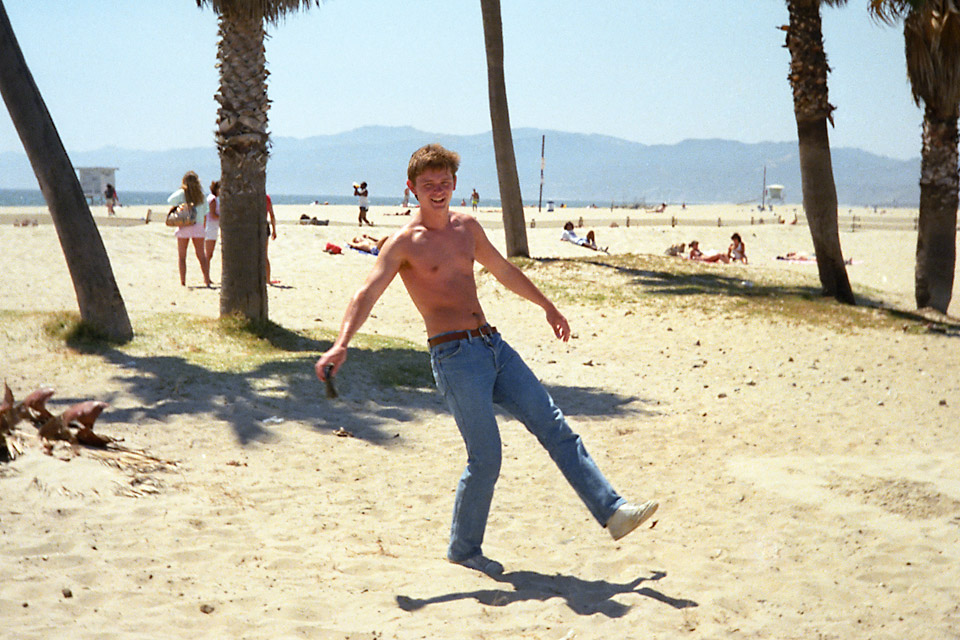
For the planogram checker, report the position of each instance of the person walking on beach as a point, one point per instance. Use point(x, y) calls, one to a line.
point(111, 199)
point(212, 229)
point(191, 192)
point(360, 190)
point(475, 199)
point(473, 366)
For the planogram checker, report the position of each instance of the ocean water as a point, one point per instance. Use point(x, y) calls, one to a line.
point(30, 198)
point(33, 198)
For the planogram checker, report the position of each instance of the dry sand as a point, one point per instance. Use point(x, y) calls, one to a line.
point(808, 475)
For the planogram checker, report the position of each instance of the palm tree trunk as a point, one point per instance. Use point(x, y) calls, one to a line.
point(808, 77)
point(820, 205)
point(512, 202)
point(937, 236)
point(98, 297)
point(242, 140)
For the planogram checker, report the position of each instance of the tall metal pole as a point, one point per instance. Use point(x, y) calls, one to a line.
point(763, 193)
point(543, 144)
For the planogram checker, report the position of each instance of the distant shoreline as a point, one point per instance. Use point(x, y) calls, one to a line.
point(34, 198)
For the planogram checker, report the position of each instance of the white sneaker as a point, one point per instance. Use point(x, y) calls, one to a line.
point(630, 516)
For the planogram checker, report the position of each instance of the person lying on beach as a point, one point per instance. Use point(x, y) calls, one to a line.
point(367, 244)
point(590, 242)
point(699, 256)
point(474, 367)
point(797, 256)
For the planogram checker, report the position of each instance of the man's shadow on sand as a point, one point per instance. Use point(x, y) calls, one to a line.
point(585, 597)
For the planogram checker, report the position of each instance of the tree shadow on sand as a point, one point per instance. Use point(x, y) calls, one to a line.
point(692, 279)
point(584, 597)
point(681, 279)
point(380, 390)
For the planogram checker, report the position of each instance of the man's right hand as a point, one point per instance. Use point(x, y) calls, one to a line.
point(334, 356)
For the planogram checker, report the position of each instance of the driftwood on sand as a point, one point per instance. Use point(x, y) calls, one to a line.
point(73, 426)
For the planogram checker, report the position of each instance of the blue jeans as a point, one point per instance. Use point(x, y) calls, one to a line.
point(474, 373)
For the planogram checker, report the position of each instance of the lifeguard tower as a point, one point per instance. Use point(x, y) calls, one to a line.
point(93, 181)
point(775, 192)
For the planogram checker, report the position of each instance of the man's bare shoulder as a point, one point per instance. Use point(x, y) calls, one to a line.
point(465, 219)
point(406, 233)
point(400, 244)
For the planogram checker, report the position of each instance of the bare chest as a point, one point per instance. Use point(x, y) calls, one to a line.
point(439, 254)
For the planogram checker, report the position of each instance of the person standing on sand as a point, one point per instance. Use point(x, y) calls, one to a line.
point(360, 190)
point(212, 229)
point(191, 192)
point(271, 235)
point(475, 199)
point(473, 366)
point(111, 199)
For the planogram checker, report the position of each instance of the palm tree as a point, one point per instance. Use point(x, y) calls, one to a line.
point(98, 296)
point(931, 34)
point(513, 223)
point(243, 142)
point(808, 78)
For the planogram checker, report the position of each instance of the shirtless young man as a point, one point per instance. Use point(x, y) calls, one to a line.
point(473, 366)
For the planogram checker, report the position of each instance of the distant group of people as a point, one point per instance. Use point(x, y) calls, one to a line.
point(204, 232)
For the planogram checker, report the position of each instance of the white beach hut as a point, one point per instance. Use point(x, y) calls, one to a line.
point(775, 192)
point(93, 181)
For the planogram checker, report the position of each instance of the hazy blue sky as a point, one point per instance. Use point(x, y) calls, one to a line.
point(141, 74)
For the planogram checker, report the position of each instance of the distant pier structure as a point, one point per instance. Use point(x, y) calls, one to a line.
point(94, 180)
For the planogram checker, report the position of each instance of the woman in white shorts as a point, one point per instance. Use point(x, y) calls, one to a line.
point(191, 192)
point(213, 220)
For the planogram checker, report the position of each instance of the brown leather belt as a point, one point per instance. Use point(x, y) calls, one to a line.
point(462, 335)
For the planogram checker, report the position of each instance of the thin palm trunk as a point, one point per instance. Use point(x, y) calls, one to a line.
point(98, 297)
point(937, 226)
point(242, 140)
point(808, 77)
point(511, 200)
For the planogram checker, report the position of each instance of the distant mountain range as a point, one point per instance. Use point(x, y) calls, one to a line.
point(579, 168)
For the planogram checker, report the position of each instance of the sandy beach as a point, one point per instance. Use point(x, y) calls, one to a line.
point(807, 466)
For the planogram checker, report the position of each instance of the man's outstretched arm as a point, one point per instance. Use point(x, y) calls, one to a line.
point(358, 309)
point(515, 280)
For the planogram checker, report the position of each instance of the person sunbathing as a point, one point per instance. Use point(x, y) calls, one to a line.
point(367, 244)
point(590, 242)
point(700, 256)
point(737, 252)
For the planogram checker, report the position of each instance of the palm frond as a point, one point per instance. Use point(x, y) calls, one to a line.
point(932, 44)
point(269, 10)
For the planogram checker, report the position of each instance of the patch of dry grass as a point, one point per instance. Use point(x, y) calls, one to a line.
point(231, 345)
point(670, 285)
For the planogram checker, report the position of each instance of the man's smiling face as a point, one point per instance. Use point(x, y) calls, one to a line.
point(434, 189)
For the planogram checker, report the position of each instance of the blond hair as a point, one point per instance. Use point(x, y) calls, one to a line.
point(432, 156)
point(192, 191)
